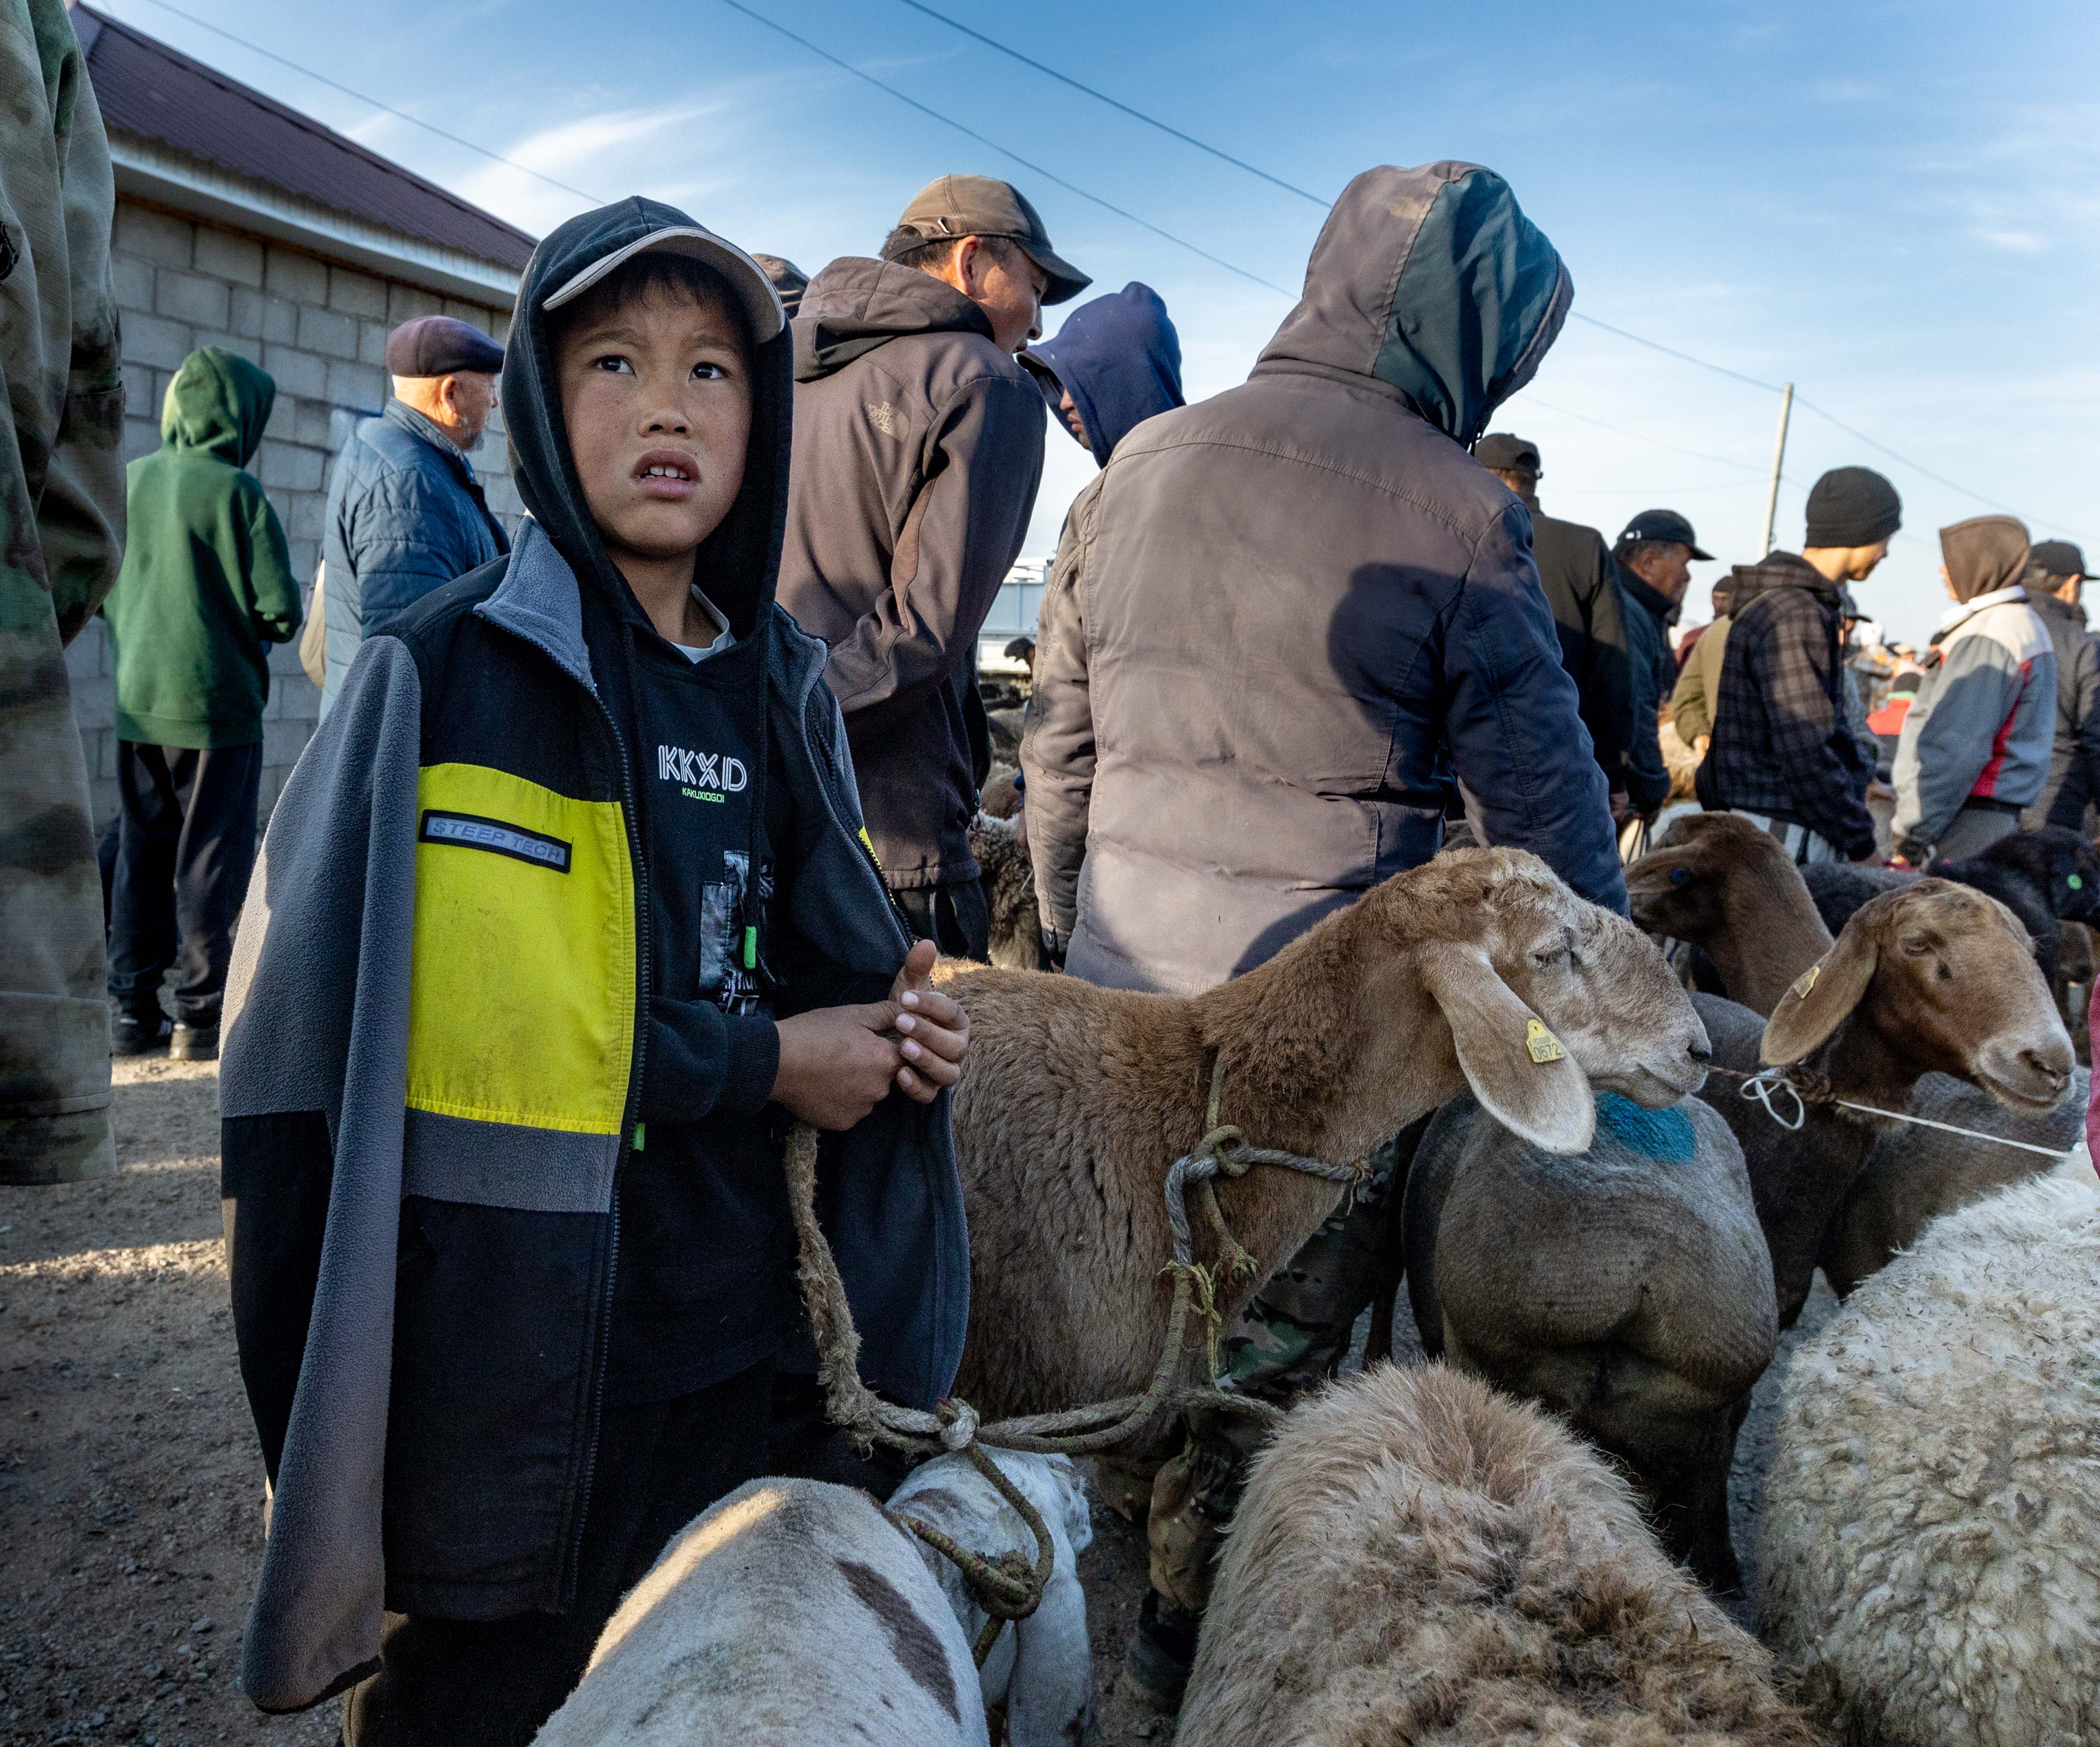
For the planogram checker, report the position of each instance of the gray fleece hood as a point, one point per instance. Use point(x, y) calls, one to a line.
point(1433, 282)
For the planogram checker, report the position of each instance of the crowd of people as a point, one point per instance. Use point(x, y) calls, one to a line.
point(630, 835)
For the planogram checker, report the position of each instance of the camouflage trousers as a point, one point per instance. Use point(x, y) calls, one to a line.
point(1291, 1338)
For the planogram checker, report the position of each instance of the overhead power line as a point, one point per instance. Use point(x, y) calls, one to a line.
point(982, 140)
point(1150, 121)
point(1532, 399)
point(336, 85)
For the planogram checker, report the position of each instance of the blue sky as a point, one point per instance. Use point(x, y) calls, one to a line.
point(1896, 206)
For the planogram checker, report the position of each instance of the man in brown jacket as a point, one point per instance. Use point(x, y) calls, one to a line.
point(918, 447)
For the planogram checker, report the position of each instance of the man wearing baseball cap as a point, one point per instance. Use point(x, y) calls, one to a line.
point(405, 513)
point(1654, 553)
point(918, 447)
point(2056, 571)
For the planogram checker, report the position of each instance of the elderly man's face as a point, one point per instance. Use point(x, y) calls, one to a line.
point(1666, 568)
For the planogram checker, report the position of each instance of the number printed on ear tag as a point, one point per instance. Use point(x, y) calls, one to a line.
point(1543, 1045)
point(1806, 981)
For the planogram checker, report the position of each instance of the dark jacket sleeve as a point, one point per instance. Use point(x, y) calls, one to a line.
point(702, 1059)
point(2079, 679)
point(407, 535)
point(1647, 777)
point(983, 461)
point(1057, 737)
point(1790, 665)
point(1516, 738)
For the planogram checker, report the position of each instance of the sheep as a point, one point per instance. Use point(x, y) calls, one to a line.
point(1718, 882)
point(1076, 1099)
point(1418, 1559)
point(1040, 1673)
point(1628, 1289)
point(1933, 976)
point(1016, 932)
point(1931, 1554)
point(793, 1613)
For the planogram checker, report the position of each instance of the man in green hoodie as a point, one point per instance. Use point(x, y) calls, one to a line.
point(206, 585)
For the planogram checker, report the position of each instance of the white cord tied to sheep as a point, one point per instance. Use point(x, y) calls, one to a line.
point(1759, 1087)
point(1009, 1588)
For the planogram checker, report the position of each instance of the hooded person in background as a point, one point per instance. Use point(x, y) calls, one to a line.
point(1593, 623)
point(1115, 363)
point(207, 585)
point(1976, 744)
point(918, 449)
point(1290, 611)
point(1784, 753)
point(2056, 574)
point(62, 514)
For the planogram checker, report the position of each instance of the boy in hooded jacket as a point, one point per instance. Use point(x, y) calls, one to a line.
point(564, 913)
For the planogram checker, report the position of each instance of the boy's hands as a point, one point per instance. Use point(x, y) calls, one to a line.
point(837, 1064)
point(935, 1030)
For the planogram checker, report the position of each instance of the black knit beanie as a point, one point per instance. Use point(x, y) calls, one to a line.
point(1852, 506)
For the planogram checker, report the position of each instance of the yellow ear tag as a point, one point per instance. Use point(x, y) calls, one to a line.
point(1543, 1045)
point(1806, 981)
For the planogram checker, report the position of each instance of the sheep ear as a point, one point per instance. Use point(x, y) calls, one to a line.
point(1816, 1003)
point(1517, 1067)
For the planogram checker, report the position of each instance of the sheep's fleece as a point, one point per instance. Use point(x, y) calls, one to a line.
point(1931, 1545)
point(790, 1614)
point(1419, 1560)
point(1041, 1669)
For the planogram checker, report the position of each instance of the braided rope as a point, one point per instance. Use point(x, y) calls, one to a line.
point(1008, 1587)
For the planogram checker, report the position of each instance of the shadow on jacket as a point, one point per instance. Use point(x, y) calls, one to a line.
point(1277, 614)
point(405, 515)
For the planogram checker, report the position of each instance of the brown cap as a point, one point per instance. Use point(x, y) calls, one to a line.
point(1507, 453)
point(983, 206)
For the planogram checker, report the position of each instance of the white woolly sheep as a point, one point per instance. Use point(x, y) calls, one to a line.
point(1041, 1671)
point(790, 1614)
point(1930, 1554)
point(1418, 1559)
point(1076, 1099)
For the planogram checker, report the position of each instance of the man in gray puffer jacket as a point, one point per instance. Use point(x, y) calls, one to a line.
point(918, 447)
point(1281, 610)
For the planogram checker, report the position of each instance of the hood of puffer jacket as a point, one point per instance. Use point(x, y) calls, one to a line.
point(855, 305)
point(738, 565)
point(1433, 282)
point(217, 402)
point(1983, 554)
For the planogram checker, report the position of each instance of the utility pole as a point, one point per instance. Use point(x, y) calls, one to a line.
point(1779, 460)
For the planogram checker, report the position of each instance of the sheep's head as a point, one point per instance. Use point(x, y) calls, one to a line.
point(1682, 889)
point(1547, 995)
point(1945, 977)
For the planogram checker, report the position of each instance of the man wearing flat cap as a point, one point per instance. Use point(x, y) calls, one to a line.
point(918, 447)
point(405, 513)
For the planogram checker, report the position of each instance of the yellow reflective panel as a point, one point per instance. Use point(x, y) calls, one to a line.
point(521, 1007)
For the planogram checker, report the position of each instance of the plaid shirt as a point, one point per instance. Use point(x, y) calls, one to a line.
point(1781, 743)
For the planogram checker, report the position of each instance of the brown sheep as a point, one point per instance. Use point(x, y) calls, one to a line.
point(1077, 1100)
point(1418, 1559)
point(1720, 883)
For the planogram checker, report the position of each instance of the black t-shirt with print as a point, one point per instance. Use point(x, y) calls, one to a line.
point(703, 1283)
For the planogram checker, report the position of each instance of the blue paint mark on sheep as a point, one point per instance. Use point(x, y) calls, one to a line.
point(1665, 1135)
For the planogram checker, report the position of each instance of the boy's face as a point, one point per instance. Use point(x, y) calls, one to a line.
point(656, 395)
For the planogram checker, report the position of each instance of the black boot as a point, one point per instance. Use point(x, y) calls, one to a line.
point(136, 1034)
point(193, 1044)
point(1155, 1669)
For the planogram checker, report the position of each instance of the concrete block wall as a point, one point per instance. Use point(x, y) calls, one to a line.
point(320, 330)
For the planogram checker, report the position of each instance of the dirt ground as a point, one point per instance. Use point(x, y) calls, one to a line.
point(130, 1494)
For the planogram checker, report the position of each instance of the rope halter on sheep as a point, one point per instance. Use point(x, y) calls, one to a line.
point(1807, 1088)
point(1009, 1587)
